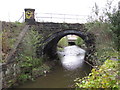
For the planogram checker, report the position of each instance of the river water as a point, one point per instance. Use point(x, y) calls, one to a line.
point(70, 67)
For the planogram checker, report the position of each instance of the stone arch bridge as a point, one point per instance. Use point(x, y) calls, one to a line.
point(52, 32)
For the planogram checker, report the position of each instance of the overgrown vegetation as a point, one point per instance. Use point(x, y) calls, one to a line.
point(31, 66)
point(105, 76)
point(106, 27)
point(80, 42)
point(115, 27)
point(10, 33)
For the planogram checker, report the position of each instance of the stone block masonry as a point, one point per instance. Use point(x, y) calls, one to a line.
point(52, 32)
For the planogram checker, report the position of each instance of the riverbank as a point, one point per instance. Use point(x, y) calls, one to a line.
point(41, 71)
point(104, 76)
point(58, 78)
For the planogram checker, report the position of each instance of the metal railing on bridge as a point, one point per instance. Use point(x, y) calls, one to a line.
point(60, 18)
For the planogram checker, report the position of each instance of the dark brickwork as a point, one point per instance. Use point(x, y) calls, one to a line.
point(52, 32)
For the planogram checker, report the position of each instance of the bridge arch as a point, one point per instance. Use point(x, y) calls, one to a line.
point(50, 47)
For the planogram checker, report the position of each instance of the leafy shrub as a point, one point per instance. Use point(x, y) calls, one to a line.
point(28, 60)
point(115, 27)
point(79, 41)
point(63, 42)
point(101, 77)
point(24, 77)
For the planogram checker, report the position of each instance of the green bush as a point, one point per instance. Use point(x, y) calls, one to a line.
point(63, 42)
point(28, 60)
point(105, 76)
point(115, 27)
point(79, 41)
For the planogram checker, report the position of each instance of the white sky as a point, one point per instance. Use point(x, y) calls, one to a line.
point(11, 10)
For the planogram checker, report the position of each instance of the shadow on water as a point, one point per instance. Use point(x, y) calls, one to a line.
point(59, 77)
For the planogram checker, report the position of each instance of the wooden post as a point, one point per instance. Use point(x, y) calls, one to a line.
point(0, 55)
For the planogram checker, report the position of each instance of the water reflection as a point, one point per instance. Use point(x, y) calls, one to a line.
point(72, 57)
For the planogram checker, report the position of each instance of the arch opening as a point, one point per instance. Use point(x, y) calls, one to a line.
point(69, 40)
point(50, 49)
